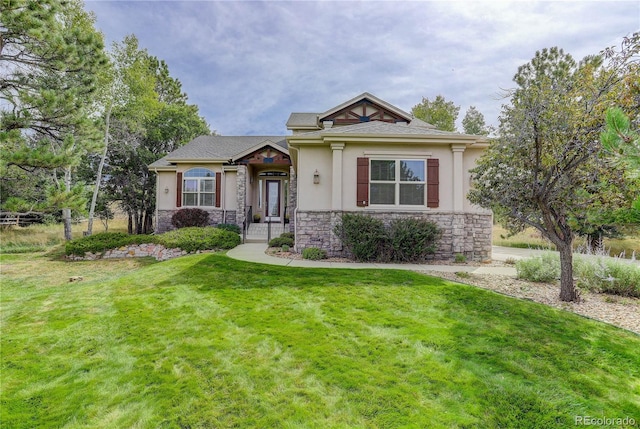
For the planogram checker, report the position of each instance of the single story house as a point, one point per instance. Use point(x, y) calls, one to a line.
point(362, 156)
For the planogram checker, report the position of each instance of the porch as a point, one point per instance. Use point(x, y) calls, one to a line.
point(263, 232)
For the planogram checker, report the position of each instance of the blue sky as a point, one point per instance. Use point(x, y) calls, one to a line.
point(248, 65)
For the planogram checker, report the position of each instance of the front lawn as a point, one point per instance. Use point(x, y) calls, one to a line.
point(206, 341)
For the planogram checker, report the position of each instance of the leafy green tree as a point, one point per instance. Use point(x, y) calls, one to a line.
point(148, 117)
point(473, 123)
point(440, 113)
point(545, 169)
point(128, 88)
point(51, 54)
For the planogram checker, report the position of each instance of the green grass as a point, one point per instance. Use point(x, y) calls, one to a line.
point(206, 341)
point(40, 237)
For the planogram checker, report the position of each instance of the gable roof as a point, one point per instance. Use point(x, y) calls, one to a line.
point(372, 98)
point(313, 121)
point(303, 121)
point(217, 149)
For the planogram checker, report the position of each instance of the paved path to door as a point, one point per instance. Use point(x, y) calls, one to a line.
point(255, 252)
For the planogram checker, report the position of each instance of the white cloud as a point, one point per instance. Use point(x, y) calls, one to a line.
point(248, 65)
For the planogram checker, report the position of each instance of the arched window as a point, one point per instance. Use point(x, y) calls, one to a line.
point(198, 188)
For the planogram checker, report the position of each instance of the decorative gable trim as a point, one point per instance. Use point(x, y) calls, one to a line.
point(363, 111)
point(364, 108)
point(265, 154)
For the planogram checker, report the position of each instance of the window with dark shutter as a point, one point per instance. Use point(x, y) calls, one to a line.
point(218, 182)
point(362, 183)
point(179, 190)
point(433, 183)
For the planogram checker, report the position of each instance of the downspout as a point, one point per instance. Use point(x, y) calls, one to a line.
point(222, 196)
point(155, 170)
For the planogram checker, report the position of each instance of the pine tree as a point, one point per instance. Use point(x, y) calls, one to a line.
point(52, 54)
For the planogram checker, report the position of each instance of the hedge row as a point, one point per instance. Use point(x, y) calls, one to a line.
point(188, 239)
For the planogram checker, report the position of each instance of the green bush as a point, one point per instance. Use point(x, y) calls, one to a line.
point(544, 268)
point(194, 239)
point(608, 276)
point(411, 240)
point(281, 241)
point(104, 241)
point(290, 235)
point(185, 218)
point(363, 236)
point(460, 258)
point(314, 253)
point(405, 240)
point(229, 227)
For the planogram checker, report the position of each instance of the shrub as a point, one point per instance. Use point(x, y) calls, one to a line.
point(285, 248)
point(411, 240)
point(314, 253)
point(460, 258)
point(290, 235)
point(544, 268)
point(185, 218)
point(405, 240)
point(364, 236)
point(194, 239)
point(104, 241)
point(281, 241)
point(608, 275)
point(229, 227)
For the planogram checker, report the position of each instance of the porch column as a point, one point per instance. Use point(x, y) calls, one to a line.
point(458, 177)
point(241, 201)
point(336, 182)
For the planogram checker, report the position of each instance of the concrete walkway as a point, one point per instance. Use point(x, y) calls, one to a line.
point(255, 252)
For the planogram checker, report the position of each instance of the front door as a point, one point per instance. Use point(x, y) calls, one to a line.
point(273, 201)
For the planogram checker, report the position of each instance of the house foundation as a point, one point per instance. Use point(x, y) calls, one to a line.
point(468, 234)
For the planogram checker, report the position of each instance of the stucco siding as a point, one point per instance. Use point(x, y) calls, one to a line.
point(314, 196)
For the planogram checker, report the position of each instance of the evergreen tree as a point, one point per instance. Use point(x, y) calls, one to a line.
point(545, 170)
point(51, 53)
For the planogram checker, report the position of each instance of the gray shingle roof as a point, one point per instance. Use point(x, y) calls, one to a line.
point(216, 148)
point(382, 128)
point(302, 120)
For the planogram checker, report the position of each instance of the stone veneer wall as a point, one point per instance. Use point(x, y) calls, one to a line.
point(293, 197)
point(163, 222)
point(465, 233)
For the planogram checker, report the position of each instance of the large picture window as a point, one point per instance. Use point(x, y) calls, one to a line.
point(198, 188)
point(397, 182)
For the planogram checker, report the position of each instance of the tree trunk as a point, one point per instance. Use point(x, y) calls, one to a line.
point(130, 223)
point(595, 243)
point(567, 288)
point(66, 212)
point(99, 175)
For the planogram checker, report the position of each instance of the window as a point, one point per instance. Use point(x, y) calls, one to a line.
point(198, 188)
point(397, 182)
